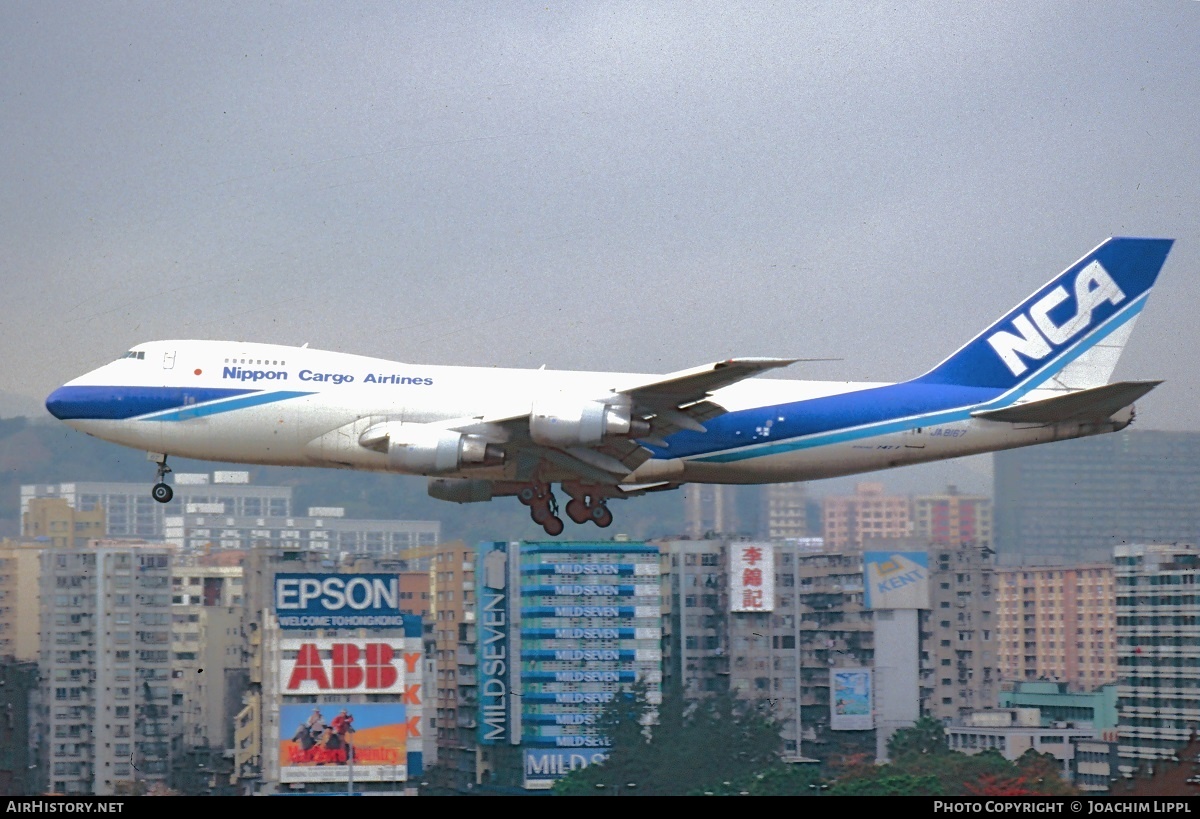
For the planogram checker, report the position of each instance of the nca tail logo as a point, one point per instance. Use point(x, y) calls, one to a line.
point(1036, 331)
point(332, 667)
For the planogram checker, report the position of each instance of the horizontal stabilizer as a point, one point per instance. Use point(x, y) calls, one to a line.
point(1097, 404)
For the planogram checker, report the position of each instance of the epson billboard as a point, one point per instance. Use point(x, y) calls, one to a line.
point(309, 601)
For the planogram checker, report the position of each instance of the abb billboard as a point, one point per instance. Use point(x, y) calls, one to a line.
point(351, 666)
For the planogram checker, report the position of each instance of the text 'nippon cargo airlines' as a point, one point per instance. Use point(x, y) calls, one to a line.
point(1038, 374)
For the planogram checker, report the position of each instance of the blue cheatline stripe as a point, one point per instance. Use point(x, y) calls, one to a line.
point(893, 402)
point(117, 403)
point(202, 410)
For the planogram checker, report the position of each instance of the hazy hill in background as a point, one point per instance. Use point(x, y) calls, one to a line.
point(42, 450)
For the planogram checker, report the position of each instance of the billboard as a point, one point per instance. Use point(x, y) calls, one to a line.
point(896, 580)
point(850, 703)
point(334, 742)
point(751, 577)
point(311, 601)
point(544, 766)
point(496, 721)
point(351, 666)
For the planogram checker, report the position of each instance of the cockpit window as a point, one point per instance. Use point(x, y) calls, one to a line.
point(138, 354)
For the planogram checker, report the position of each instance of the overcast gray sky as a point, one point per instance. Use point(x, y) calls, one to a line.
point(637, 186)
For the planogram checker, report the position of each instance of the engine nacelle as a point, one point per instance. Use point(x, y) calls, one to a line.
point(460, 490)
point(562, 422)
point(425, 449)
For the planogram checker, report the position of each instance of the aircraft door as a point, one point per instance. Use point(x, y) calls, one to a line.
point(169, 360)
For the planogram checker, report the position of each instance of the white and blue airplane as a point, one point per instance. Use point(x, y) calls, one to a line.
point(1040, 373)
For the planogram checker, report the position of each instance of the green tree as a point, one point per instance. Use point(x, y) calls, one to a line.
point(896, 784)
point(677, 748)
point(925, 736)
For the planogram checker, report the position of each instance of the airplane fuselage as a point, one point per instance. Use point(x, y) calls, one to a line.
point(292, 406)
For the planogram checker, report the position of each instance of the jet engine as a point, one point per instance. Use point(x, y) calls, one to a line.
point(561, 422)
point(424, 448)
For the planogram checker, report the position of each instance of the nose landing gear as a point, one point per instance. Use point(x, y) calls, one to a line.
point(161, 491)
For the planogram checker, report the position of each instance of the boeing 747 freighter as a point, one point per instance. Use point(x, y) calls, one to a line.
point(1040, 373)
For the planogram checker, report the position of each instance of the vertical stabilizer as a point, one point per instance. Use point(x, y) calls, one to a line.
point(1069, 334)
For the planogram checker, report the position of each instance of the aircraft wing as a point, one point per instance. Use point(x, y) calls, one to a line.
point(672, 402)
point(684, 387)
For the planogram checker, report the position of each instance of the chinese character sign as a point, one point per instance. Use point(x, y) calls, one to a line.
point(751, 577)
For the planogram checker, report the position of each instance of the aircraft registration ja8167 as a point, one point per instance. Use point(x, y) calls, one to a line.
point(1040, 373)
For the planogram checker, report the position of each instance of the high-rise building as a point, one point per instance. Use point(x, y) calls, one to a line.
point(562, 627)
point(455, 685)
point(20, 774)
point(710, 509)
point(54, 522)
point(837, 631)
point(131, 512)
point(712, 642)
point(336, 693)
point(105, 660)
point(960, 664)
point(952, 518)
point(206, 528)
point(1158, 652)
point(868, 513)
point(207, 652)
point(1073, 501)
point(221, 511)
point(786, 510)
point(20, 568)
point(1057, 623)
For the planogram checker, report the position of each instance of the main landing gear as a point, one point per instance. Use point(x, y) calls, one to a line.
point(161, 491)
point(583, 507)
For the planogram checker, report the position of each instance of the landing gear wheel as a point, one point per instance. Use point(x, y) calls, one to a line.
point(553, 526)
point(577, 511)
point(162, 493)
point(601, 516)
point(526, 495)
point(540, 513)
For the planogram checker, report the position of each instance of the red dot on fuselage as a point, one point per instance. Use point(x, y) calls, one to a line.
point(197, 372)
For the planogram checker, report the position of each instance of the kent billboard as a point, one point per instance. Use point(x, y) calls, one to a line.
point(896, 580)
point(312, 601)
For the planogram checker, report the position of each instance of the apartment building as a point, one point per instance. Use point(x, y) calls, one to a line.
point(1158, 652)
point(1057, 623)
point(55, 523)
point(848, 520)
point(20, 569)
point(960, 667)
point(105, 659)
point(953, 518)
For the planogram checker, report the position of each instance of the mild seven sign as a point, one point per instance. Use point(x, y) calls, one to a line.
point(308, 601)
